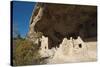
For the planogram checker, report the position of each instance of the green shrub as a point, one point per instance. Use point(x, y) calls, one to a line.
point(25, 53)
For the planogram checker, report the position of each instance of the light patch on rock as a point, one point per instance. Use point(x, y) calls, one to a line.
point(33, 36)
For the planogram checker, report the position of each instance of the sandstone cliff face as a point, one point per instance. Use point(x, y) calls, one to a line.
point(57, 21)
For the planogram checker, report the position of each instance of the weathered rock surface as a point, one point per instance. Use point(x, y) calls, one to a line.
point(58, 21)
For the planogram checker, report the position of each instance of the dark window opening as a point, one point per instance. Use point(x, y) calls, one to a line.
point(45, 47)
point(80, 45)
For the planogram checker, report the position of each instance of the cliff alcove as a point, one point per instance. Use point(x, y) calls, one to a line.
point(58, 21)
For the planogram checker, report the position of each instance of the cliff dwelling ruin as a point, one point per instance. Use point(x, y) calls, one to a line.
point(58, 21)
point(64, 33)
